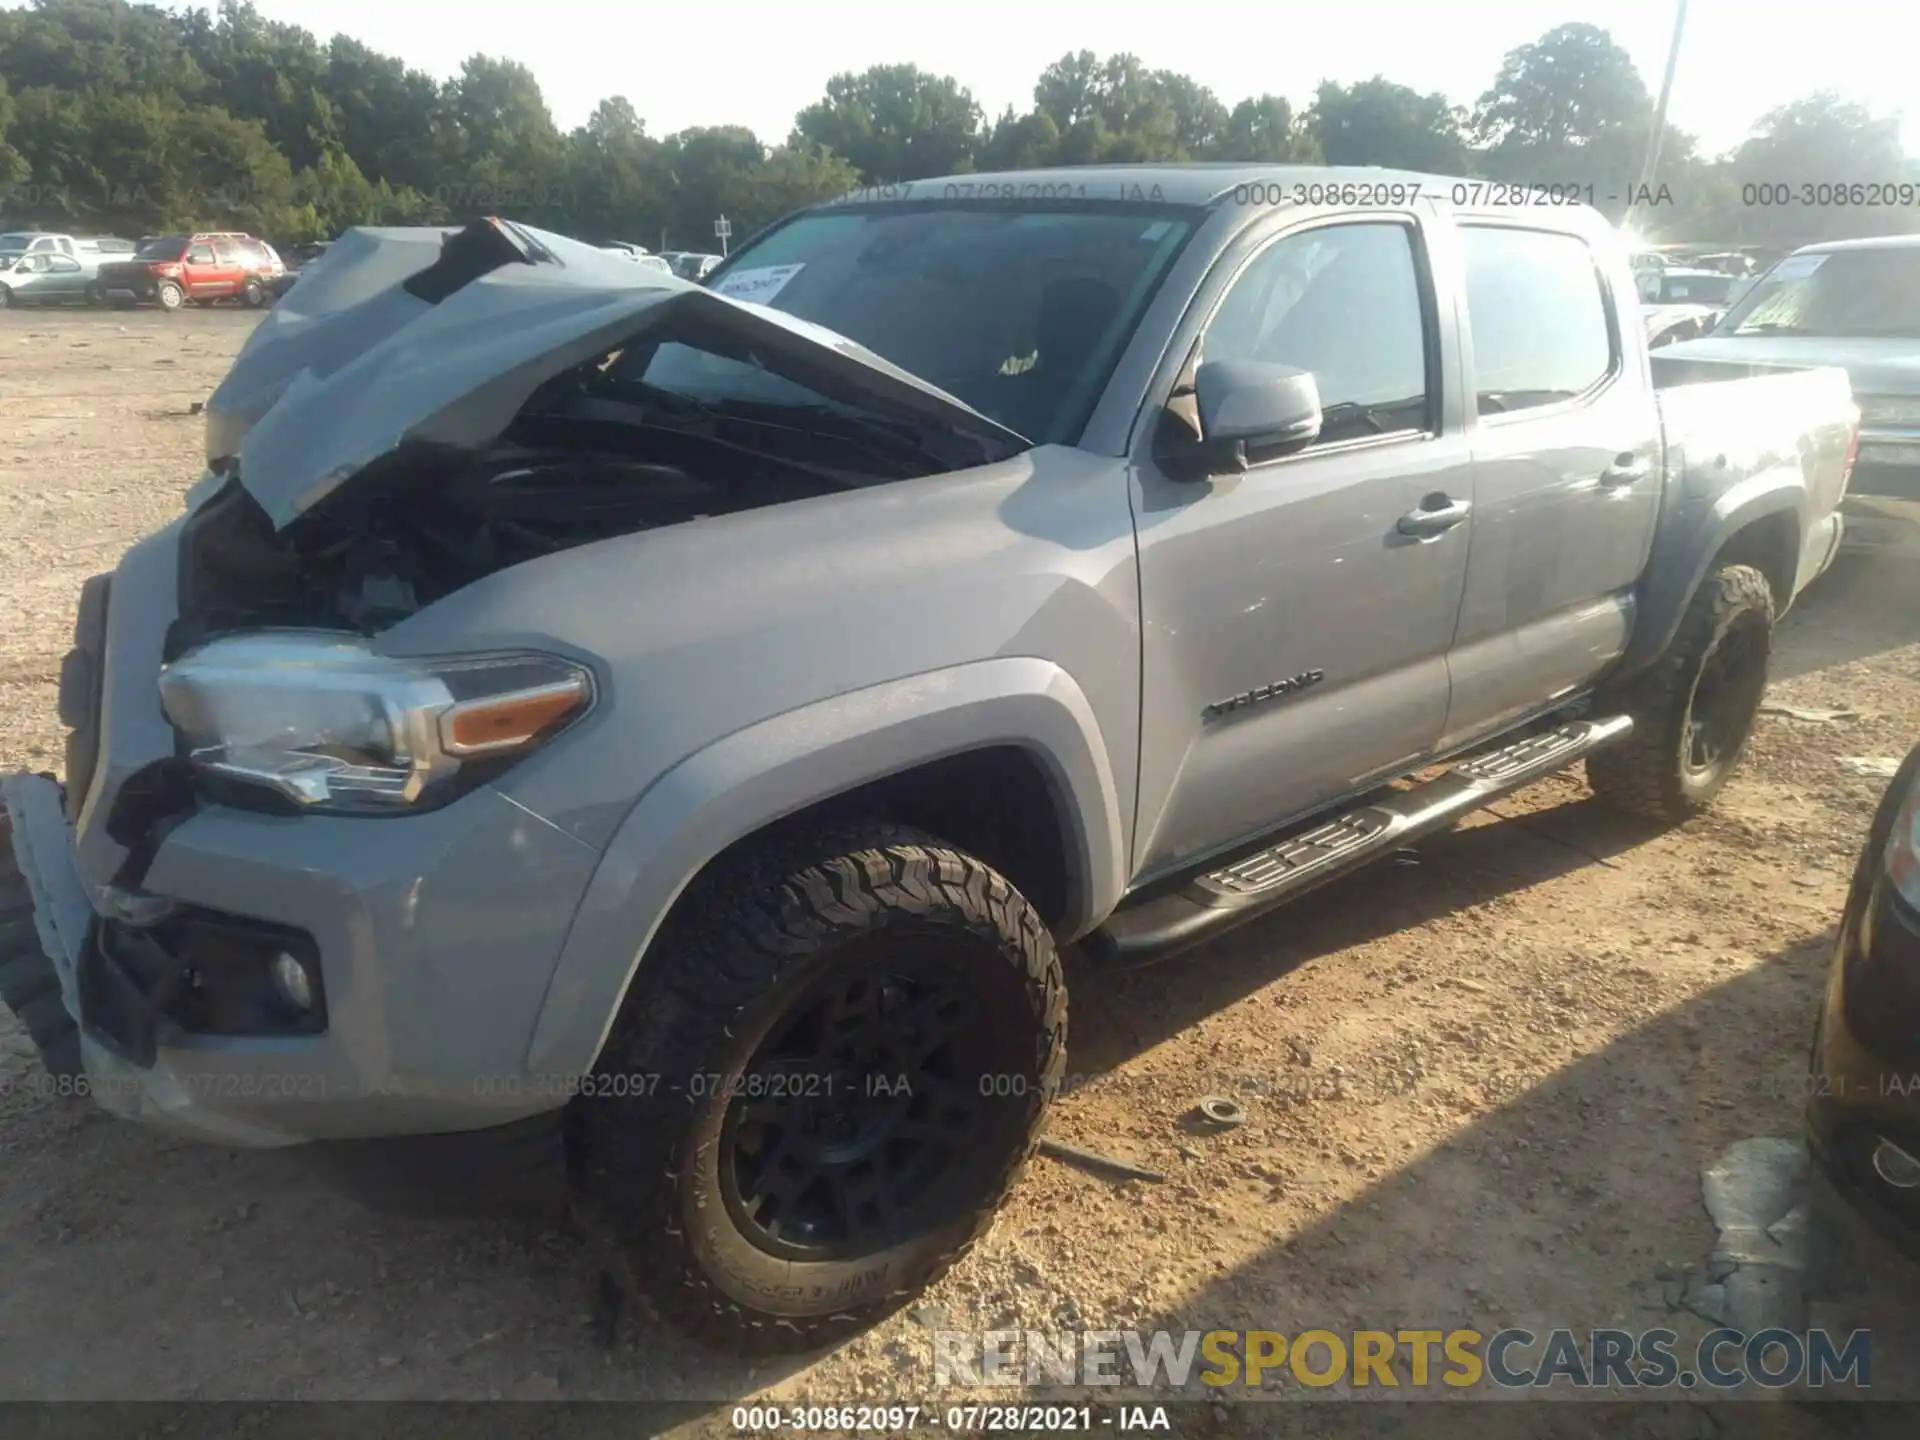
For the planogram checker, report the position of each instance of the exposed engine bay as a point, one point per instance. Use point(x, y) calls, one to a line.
point(594, 455)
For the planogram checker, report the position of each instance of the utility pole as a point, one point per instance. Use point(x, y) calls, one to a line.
point(1651, 164)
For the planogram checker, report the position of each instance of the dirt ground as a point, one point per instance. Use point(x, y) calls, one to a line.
point(1481, 1083)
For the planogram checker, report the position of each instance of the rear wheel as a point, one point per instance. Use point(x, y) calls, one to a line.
point(29, 985)
point(834, 1064)
point(170, 295)
point(6, 297)
point(95, 295)
point(1693, 710)
point(253, 294)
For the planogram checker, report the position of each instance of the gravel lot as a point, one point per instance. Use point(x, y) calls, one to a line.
point(1481, 1085)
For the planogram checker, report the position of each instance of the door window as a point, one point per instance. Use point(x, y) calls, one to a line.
point(1537, 310)
point(62, 265)
point(200, 255)
point(1344, 302)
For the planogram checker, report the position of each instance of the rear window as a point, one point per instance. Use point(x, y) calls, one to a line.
point(1538, 315)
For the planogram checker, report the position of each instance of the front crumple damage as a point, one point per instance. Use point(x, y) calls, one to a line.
point(446, 356)
point(491, 406)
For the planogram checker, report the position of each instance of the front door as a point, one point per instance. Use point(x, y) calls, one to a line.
point(1295, 638)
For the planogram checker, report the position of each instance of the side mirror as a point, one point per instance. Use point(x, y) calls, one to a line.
point(1248, 411)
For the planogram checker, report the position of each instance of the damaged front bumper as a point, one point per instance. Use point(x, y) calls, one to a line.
point(432, 981)
point(431, 938)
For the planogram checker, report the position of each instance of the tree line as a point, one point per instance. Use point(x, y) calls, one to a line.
point(131, 119)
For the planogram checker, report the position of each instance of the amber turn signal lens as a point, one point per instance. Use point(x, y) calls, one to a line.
point(505, 722)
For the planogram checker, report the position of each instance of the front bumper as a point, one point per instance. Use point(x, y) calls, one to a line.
point(436, 935)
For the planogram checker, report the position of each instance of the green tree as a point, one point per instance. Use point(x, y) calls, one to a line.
point(1376, 122)
point(1568, 108)
point(1265, 131)
point(1820, 141)
point(895, 122)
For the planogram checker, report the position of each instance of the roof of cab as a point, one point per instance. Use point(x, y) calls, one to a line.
point(1195, 183)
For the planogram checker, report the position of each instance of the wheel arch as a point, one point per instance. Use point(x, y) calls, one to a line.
point(904, 750)
point(1758, 522)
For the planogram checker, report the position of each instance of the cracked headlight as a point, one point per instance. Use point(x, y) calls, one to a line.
point(322, 721)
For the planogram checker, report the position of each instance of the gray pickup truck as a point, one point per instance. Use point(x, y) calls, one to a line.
point(677, 728)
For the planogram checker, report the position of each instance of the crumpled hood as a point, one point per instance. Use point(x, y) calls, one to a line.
point(1877, 365)
point(393, 338)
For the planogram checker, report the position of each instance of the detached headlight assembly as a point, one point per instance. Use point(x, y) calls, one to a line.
point(322, 721)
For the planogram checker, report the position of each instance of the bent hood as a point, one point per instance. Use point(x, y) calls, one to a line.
point(1877, 365)
point(400, 336)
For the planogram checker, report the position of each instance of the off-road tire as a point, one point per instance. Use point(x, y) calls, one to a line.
point(29, 985)
point(169, 295)
point(736, 956)
point(1648, 773)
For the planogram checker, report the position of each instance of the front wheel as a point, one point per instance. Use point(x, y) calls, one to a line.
point(834, 1064)
point(1693, 709)
point(6, 297)
point(170, 295)
point(96, 296)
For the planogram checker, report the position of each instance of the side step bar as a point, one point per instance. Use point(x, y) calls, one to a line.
point(1214, 903)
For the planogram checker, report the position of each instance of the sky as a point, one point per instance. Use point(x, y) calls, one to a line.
point(757, 62)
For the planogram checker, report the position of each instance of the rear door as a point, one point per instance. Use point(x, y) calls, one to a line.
point(1294, 639)
point(1566, 464)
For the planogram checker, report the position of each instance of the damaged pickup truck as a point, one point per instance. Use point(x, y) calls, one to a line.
point(585, 715)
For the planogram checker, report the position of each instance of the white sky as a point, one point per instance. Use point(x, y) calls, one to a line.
point(756, 62)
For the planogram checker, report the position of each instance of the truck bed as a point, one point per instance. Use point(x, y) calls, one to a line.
point(1727, 422)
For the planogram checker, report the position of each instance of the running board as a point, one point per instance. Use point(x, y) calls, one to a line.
point(1212, 904)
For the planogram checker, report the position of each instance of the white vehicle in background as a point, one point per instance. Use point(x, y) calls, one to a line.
point(639, 254)
point(691, 264)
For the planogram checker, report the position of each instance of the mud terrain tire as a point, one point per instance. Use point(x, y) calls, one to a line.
point(1693, 709)
point(761, 1235)
point(29, 985)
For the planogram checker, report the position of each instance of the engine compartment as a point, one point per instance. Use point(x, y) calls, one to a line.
point(577, 465)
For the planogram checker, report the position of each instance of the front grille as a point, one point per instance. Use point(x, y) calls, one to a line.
point(82, 680)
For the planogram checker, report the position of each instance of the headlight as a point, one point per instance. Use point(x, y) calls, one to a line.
point(1901, 410)
point(323, 721)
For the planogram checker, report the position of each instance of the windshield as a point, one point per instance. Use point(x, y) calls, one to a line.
point(14, 244)
point(161, 247)
point(1019, 312)
point(1842, 293)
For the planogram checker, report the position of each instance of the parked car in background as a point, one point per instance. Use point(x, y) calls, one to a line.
point(1677, 285)
point(44, 277)
point(1666, 324)
point(1284, 506)
point(1856, 304)
point(304, 254)
point(171, 270)
point(1863, 1092)
point(691, 264)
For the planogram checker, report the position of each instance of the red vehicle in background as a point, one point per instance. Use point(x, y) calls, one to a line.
point(173, 269)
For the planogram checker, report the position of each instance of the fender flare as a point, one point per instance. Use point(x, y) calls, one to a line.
point(752, 777)
point(1677, 569)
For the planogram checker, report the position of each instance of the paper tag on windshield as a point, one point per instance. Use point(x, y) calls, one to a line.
point(759, 286)
point(1797, 267)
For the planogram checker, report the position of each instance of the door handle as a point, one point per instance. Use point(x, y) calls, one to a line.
point(1437, 515)
point(1627, 469)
